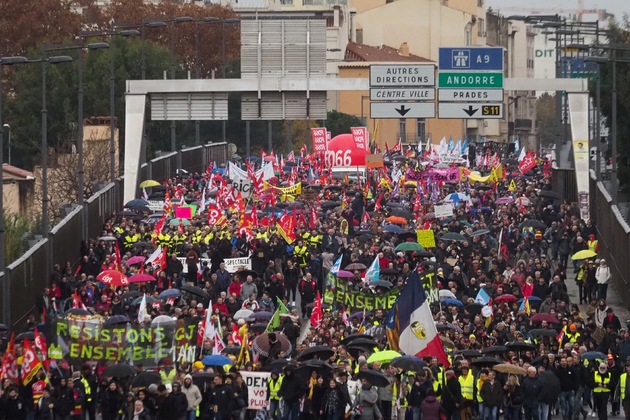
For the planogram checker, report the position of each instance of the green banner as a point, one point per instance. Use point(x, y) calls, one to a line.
point(73, 339)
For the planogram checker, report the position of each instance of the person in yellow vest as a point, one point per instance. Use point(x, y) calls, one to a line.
point(624, 391)
point(166, 371)
point(400, 390)
point(300, 253)
point(467, 383)
point(273, 386)
point(593, 244)
point(89, 388)
point(600, 383)
point(483, 375)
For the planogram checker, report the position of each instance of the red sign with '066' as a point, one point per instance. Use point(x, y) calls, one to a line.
point(319, 137)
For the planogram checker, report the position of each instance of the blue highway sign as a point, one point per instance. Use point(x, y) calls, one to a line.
point(471, 58)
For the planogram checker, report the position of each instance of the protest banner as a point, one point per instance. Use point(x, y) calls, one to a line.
point(232, 264)
point(256, 389)
point(338, 293)
point(433, 175)
point(319, 139)
point(374, 161)
point(155, 205)
point(444, 210)
point(426, 238)
point(77, 340)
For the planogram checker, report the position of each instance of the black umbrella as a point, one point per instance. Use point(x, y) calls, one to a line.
point(354, 337)
point(244, 273)
point(494, 350)
point(366, 232)
point(365, 238)
point(402, 213)
point(206, 376)
point(314, 186)
point(259, 327)
point(334, 188)
point(407, 235)
point(520, 346)
point(321, 352)
point(549, 194)
point(329, 204)
point(194, 290)
point(373, 377)
point(311, 305)
point(484, 187)
point(543, 332)
point(126, 213)
point(408, 363)
point(141, 244)
point(119, 370)
point(380, 283)
point(321, 367)
point(77, 312)
point(29, 334)
point(536, 224)
point(272, 209)
point(485, 362)
point(390, 271)
point(130, 295)
point(233, 350)
point(551, 386)
point(473, 308)
point(423, 254)
point(469, 353)
point(452, 236)
point(145, 379)
point(480, 232)
point(278, 364)
point(117, 319)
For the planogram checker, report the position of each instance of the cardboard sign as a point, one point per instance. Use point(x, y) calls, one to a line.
point(426, 238)
point(359, 134)
point(319, 138)
point(256, 389)
point(444, 210)
point(374, 161)
point(232, 264)
point(155, 205)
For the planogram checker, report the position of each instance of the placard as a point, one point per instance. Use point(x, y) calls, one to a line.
point(360, 137)
point(319, 138)
point(256, 388)
point(444, 210)
point(232, 264)
point(374, 161)
point(426, 238)
point(155, 205)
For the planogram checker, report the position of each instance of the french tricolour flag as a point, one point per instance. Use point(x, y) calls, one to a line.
point(410, 325)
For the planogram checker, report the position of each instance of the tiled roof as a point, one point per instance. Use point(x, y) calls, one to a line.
point(362, 52)
point(14, 172)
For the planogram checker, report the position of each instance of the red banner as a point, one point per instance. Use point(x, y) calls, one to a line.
point(528, 163)
point(318, 135)
point(30, 363)
point(359, 134)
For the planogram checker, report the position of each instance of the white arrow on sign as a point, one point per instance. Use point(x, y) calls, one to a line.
point(470, 110)
point(402, 110)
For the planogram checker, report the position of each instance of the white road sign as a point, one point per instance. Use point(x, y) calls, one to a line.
point(402, 75)
point(482, 95)
point(402, 94)
point(470, 110)
point(402, 110)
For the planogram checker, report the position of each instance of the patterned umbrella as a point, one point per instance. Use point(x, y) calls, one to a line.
point(261, 344)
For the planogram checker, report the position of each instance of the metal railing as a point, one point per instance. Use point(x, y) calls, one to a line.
point(29, 274)
point(613, 235)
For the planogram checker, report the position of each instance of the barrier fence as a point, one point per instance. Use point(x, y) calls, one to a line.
point(30, 274)
point(613, 235)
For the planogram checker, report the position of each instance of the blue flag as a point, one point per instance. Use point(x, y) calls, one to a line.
point(482, 297)
point(336, 266)
point(373, 272)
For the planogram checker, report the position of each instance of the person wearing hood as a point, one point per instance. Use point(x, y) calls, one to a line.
point(111, 401)
point(193, 397)
point(291, 390)
point(367, 401)
point(601, 384)
point(140, 412)
point(273, 386)
point(220, 400)
point(64, 395)
point(430, 407)
point(128, 407)
point(180, 401)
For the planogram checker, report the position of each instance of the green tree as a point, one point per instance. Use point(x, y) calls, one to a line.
point(620, 38)
point(545, 118)
point(340, 123)
point(16, 228)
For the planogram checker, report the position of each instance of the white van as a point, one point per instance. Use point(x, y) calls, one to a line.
point(353, 172)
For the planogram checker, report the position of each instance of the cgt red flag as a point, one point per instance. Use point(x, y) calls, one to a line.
point(317, 315)
point(40, 344)
point(30, 362)
point(9, 362)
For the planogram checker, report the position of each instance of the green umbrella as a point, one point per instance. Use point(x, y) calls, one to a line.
point(409, 247)
point(139, 300)
point(463, 222)
point(384, 356)
point(175, 222)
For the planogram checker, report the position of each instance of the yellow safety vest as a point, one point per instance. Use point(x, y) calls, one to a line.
point(592, 245)
point(88, 390)
point(436, 389)
point(622, 385)
point(467, 385)
point(599, 379)
point(479, 398)
point(167, 377)
point(274, 388)
point(403, 401)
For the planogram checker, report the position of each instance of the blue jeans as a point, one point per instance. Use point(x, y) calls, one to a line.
point(480, 409)
point(511, 413)
point(191, 415)
point(490, 412)
point(567, 402)
point(602, 291)
point(532, 412)
point(417, 414)
point(274, 409)
point(544, 411)
point(291, 411)
point(333, 416)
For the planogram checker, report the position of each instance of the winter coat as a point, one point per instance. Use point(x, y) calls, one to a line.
point(110, 404)
point(247, 289)
point(430, 408)
point(13, 409)
point(452, 395)
point(366, 400)
point(532, 391)
point(292, 388)
point(193, 396)
point(514, 397)
point(341, 406)
point(492, 393)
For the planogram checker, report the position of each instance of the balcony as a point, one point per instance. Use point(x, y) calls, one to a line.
point(411, 138)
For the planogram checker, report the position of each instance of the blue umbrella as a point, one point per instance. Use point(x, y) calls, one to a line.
point(451, 301)
point(253, 158)
point(216, 360)
point(170, 293)
point(531, 299)
point(594, 355)
point(136, 203)
point(261, 316)
point(393, 229)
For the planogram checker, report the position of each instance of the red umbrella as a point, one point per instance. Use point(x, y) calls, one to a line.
point(135, 260)
point(141, 278)
point(545, 317)
point(506, 299)
point(113, 278)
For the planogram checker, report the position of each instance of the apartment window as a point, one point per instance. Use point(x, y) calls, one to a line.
point(402, 130)
point(421, 130)
point(287, 2)
point(479, 3)
point(481, 27)
point(468, 35)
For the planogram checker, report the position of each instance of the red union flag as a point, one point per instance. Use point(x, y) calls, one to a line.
point(9, 362)
point(30, 363)
point(318, 135)
point(528, 163)
point(359, 134)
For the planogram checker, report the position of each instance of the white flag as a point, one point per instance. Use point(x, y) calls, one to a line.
point(145, 196)
point(202, 204)
point(209, 327)
point(142, 312)
point(218, 344)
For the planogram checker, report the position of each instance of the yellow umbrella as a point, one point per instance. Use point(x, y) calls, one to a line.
point(384, 356)
point(149, 183)
point(584, 254)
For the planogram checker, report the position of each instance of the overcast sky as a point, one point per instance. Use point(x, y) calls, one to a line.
point(618, 7)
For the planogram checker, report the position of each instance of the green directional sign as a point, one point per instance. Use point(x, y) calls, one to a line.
point(470, 80)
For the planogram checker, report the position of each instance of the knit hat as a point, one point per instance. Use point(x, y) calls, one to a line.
point(188, 376)
point(152, 388)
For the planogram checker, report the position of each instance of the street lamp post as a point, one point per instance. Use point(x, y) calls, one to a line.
point(8, 127)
